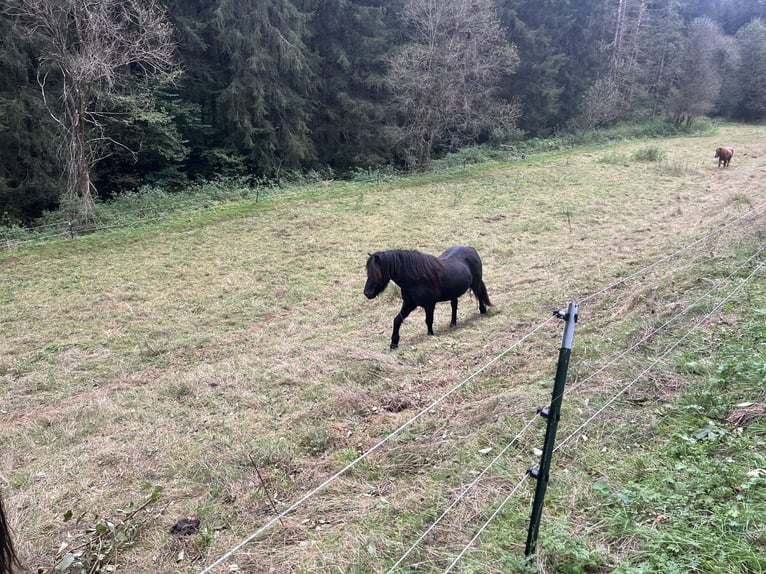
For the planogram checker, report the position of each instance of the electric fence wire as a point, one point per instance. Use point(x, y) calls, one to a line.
point(621, 355)
point(705, 237)
point(462, 495)
point(471, 485)
point(65, 229)
point(322, 486)
point(367, 453)
point(612, 399)
point(662, 327)
point(670, 349)
point(60, 230)
point(486, 524)
point(193, 208)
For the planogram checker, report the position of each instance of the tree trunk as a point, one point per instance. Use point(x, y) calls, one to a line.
point(79, 196)
point(618, 33)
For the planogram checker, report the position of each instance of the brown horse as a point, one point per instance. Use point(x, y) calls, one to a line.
point(724, 155)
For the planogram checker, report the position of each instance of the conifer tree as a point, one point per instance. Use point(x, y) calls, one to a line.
point(747, 101)
point(353, 40)
point(29, 182)
point(265, 104)
point(535, 27)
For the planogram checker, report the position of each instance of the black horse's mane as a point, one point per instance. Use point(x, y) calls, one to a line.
point(411, 264)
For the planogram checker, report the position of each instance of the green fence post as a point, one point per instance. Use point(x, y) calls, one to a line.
point(552, 414)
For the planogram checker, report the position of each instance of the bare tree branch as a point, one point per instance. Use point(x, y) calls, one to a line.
point(697, 88)
point(445, 81)
point(92, 46)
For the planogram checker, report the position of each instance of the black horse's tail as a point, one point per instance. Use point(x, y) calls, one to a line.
point(480, 290)
point(483, 295)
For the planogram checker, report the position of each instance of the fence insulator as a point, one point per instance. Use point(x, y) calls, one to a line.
point(533, 472)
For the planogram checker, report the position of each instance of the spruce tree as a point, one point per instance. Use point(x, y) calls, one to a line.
point(352, 40)
point(264, 106)
point(535, 27)
point(747, 101)
point(29, 182)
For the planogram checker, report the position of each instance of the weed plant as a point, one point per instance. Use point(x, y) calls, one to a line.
point(614, 158)
point(692, 497)
point(651, 153)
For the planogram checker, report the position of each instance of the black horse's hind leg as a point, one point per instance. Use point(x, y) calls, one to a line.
point(482, 306)
point(398, 320)
point(480, 291)
point(453, 322)
point(430, 318)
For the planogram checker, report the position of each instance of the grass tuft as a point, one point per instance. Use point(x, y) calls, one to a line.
point(649, 154)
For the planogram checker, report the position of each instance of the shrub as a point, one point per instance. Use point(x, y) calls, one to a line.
point(651, 153)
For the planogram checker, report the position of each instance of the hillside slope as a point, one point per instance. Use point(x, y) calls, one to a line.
point(232, 359)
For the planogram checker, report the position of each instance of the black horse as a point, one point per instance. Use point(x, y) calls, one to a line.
point(7, 554)
point(426, 280)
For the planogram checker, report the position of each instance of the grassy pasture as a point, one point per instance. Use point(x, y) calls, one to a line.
point(231, 358)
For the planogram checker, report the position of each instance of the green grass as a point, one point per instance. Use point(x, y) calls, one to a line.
point(694, 501)
point(229, 356)
point(150, 205)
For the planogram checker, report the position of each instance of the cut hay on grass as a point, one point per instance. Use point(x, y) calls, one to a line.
point(232, 359)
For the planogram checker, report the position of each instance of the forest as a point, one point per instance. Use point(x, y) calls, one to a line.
point(101, 98)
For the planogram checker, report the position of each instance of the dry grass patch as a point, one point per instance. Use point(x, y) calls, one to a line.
point(194, 355)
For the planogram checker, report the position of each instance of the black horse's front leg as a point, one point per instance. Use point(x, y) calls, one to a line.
point(398, 320)
point(453, 323)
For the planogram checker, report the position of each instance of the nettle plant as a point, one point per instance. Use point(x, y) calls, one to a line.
point(94, 549)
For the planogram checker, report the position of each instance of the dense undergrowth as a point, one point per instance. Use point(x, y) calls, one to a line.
point(151, 204)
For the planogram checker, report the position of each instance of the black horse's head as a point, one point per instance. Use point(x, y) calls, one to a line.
point(377, 276)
